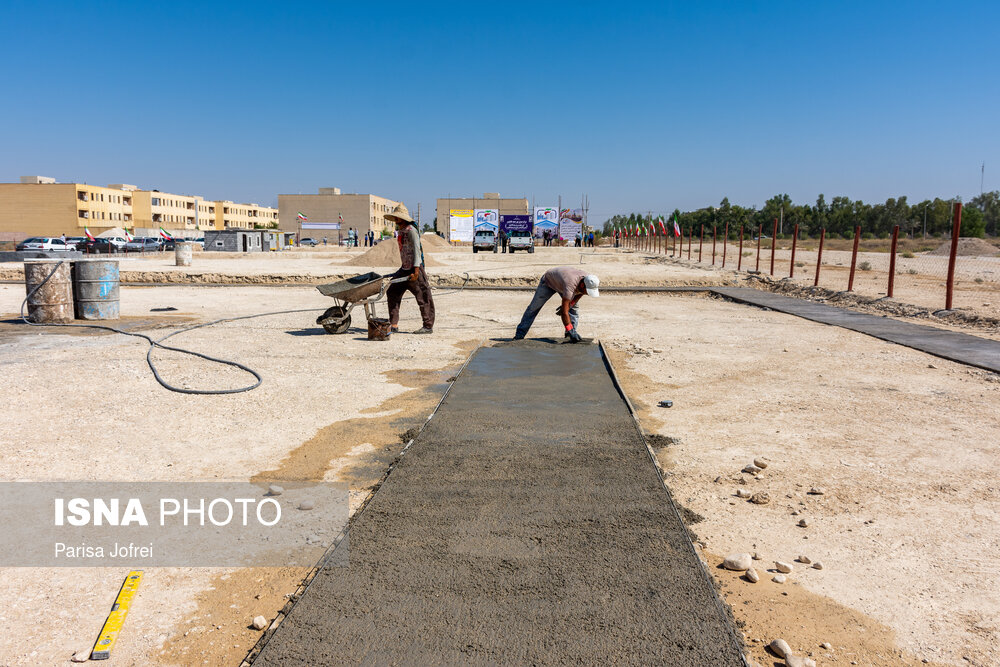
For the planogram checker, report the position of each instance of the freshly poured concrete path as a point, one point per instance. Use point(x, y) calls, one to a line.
point(526, 525)
point(951, 345)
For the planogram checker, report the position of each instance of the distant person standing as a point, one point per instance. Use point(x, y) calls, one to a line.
point(503, 240)
point(371, 238)
point(411, 255)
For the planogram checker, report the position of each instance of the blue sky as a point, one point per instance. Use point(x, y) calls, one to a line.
point(642, 106)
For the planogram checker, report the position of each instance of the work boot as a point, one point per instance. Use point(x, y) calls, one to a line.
point(424, 330)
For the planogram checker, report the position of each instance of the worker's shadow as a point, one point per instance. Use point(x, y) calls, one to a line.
point(319, 331)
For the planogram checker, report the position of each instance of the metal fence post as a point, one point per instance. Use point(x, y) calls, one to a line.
point(725, 243)
point(819, 256)
point(739, 260)
point(701, 241)
point(760, 230)
point(956, 228)
point(854, 258)
point(795, 241)
point(774, 244)
point(713, 245)
point(892, 261)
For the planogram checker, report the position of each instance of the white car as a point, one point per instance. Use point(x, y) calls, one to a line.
point(45, 243)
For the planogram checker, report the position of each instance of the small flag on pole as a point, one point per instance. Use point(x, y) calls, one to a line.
point(164, 234)
point(301, 216)
point(89, 235)
point(677, 228)
point(128, 236)
point(662, 226)
point(341, 218)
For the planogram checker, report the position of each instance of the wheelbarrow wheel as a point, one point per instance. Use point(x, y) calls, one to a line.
point(336, 320)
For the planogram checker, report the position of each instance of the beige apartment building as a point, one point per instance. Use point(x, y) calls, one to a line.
point(153, 209)
point(489, 200)
point(229, 215)
point(324, 211)
point(38, 206)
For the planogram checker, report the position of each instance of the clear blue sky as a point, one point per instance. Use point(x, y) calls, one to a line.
point(643, 106)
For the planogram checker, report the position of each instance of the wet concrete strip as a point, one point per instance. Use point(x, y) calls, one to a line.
point(526, 524)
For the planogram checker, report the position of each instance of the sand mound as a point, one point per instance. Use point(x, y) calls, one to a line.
point(433, 242)
point(967, 247)
point(385, 253)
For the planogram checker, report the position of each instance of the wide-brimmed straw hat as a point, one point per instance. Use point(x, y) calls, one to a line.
point(400, 213)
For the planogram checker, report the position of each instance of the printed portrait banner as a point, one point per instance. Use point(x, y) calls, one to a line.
point(570, 223)
point(515, 223)
point(546, 220)
point(487, 219)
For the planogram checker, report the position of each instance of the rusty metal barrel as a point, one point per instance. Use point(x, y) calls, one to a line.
point(182, 253)
point(53, 301)
point(95, 286)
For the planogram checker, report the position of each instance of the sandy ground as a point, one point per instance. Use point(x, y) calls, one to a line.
point(904, 445)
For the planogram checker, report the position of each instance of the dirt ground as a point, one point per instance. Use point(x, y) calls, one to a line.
point(905, 447)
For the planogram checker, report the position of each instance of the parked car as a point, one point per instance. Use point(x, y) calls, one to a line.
point(78, 241)
point(484, 239)
point(309, 242)
point(44, 243)
point(143, 244)
point(520, 241)
point(101, 246)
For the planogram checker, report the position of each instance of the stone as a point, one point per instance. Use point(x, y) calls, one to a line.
point(826, 645)
point(816, 491)
point(817, 565)
point(742, 493)
point(798, 661)
point(782, 566)
point(760, 463)
point(752, 576)
point(780, 648)
point(752, 469)
point(756, 556)
point(803, 523)
point(739, 562)
point(83, 655)
point(760, 498)
point(275, 490)
point(779, 578)
point(306, 505)
point(259, 623)
point(805, 560)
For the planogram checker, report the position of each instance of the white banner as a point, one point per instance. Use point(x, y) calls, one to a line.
point(546, 221)
point(461, 228)
point(320, 225)
point(487, 219)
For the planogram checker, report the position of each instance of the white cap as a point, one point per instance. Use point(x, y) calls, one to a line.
point(592, 282)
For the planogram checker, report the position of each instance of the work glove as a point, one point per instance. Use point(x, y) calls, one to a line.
point(573, 336)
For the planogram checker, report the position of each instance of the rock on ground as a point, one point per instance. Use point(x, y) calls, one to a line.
point(737, 562)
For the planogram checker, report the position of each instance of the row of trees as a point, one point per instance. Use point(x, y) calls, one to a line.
point(980, 217)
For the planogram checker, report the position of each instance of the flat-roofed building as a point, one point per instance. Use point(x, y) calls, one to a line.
point(230, 215)
point(331, 213)
point(153, 209)
point(492, 200)
point(38, 206)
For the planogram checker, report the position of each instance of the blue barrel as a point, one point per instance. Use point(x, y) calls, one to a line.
point(95, 286)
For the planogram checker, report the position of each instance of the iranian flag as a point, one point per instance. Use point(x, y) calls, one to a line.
point(89, 235)
point(163, 233)
point(301, 216)
point(662, 226)
point(341, 218)
point(128, 236)
point(677, 227)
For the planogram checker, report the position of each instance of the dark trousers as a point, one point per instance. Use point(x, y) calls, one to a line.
point(420, 289)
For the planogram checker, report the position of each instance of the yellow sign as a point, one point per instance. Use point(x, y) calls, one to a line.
point(461, 212)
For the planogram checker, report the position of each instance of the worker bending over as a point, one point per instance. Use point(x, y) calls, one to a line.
point(571, 284)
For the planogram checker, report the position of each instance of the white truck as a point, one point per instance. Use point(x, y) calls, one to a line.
point(484, 239)
point(520, 241)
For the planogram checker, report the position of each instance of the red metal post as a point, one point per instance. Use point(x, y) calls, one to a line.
point(892, 261)
point(713, 245)
point(795, 241)
point(725, 243)
point(739, 260)
point(956, 228)
point(701, 241)
point(760, 230)
point(819, 256)
point(774, 241)
point(854, 258)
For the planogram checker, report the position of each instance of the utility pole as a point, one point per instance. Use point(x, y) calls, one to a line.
point(781, 217)
point(982, 174)
point(418, 217)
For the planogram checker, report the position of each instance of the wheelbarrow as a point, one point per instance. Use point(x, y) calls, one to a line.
point(365, 289)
